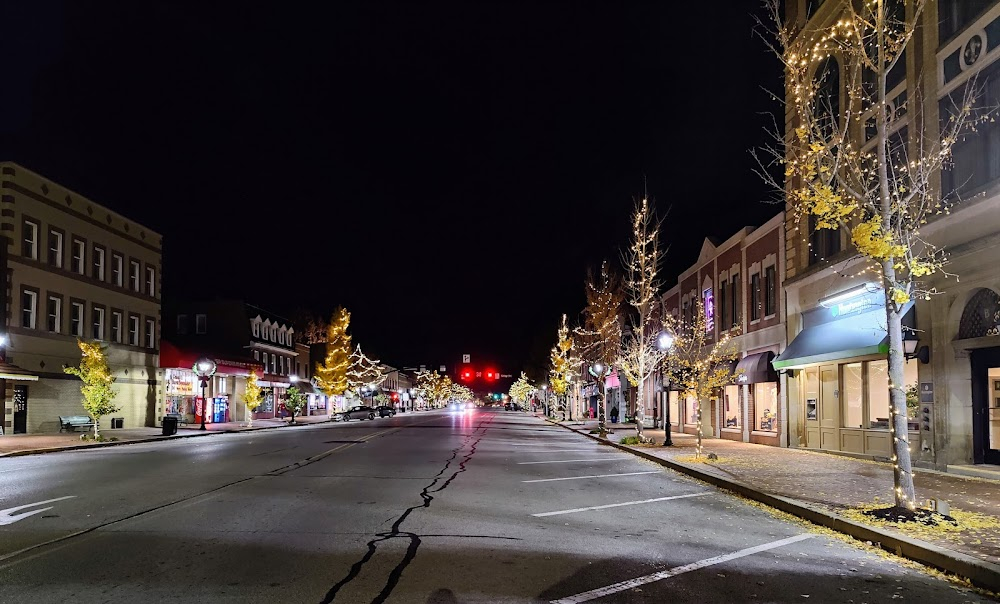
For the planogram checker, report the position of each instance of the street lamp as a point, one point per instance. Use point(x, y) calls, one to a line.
point(597, 370)
point(204, 368)
point(545, 398)
point(665, 342)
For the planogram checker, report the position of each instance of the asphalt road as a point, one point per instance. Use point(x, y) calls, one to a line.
point(427, 508)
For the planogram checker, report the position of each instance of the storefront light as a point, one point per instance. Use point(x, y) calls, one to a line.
point(848, 294)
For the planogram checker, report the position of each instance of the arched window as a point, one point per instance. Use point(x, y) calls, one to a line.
point(981, 316)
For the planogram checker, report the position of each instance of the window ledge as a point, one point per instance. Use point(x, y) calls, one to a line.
point(770, 316)
point(763, 433)
point(737, 430)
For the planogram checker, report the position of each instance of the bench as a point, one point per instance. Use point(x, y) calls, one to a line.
point(72, 422)
point(179, 417)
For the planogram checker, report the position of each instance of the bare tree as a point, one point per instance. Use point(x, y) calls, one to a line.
point(854, 157)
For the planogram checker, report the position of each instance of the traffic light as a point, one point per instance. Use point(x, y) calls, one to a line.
point(467, 375)
point(492, 374)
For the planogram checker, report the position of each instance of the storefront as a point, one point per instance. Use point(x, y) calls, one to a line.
point(182, 392)
point(837, 371)
point(752, 406)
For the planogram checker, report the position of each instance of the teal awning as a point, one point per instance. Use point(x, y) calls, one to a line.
point(856, 335)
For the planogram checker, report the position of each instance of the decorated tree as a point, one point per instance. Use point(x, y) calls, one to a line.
point(564, 364)
point(331, 375)
point(253, 396)
point(520, 391)
point(639, 355)
point(850, 163)
point(362, 372)
point(698, 365)
point(601, 332)
point(295, 402)
point(434, 387)
point(94, 372)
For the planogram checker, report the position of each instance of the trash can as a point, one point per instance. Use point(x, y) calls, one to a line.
point(169, 426)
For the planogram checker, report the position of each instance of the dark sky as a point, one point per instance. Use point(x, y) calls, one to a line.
point(447, 171)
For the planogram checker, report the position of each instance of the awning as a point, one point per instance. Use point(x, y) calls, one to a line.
point(13, 372)
point(756, 369)
point(856, 335)
point(306, 387)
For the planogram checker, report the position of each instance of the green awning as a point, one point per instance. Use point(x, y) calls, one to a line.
point(843, 338)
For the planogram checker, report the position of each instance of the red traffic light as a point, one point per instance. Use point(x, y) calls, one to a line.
point(466, 375)
point(489, 375)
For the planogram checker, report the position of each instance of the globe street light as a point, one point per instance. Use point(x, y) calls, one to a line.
point(204, 368)
point(597, 370)
point(545, 398)
point(665, 342)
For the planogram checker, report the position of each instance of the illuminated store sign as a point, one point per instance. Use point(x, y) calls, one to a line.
point(708, 301)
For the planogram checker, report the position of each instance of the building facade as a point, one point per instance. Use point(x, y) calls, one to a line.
point(240, 338)
point(738, 283)
point(75, 270)
point(835, 363)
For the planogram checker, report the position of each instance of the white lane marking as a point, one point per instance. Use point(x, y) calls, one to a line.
point(528, 463)
point(673, 572)
point(592, 476)
point(615, 505)
point(8, 517)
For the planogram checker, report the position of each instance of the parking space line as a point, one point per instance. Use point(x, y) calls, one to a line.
point(528, 463)
point(673, 572)
point(592, 476)
point(592, 449)
point(616, 505)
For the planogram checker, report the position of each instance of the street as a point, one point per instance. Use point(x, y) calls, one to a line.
point(482, 506)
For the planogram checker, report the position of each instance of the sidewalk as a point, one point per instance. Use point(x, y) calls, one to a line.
point(12, 445)
point(829, 489)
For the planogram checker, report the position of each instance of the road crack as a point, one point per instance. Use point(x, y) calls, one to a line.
point(437, 484)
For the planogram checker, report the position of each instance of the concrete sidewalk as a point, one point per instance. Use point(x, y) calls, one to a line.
point(830, 490)
point(12, 445)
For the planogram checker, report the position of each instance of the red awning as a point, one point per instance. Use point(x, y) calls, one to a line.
point(173, 357)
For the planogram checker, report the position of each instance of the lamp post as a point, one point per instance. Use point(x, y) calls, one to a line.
point(665, 342)
point(597, 370)
point(204, 368)
point(545, 398)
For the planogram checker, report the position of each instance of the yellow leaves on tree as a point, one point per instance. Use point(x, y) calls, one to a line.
point(872, 241)
point(253, 396)
point(94, 372)
point(561, 359)
point(521, 390)
point(331, 375)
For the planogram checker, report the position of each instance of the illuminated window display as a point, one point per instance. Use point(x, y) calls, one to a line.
point(765, 396)
point(732, 408)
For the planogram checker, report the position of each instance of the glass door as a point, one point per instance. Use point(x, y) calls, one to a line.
point(986, 405)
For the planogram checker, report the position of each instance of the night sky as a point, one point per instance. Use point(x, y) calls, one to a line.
point(446, 171)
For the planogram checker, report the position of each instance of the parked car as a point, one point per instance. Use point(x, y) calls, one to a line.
point(358, 412)
point(385, 411)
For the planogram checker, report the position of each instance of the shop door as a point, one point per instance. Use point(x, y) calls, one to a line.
point(829, 408)
point(985, 405)
point(20, 409)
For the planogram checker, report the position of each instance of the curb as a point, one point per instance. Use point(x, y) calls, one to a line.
point(979, 572)
point(117, 443)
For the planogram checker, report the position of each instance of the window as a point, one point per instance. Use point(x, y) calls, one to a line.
point(29, 246)
point(274, 334)
point(133, 275)
point(976, 156)
point(755, 296)
point(708, 304)
point(79, 256)
point(76, 318)
point(151, 281)
point(770, 291)
point(274, 364)
point(98, 264)
point(201, 324)
point(133, 330)
point(823, 243)
point(281, 337)
point(54, 323)
point(116, 326)
point(29, 309)
point(56, 248)
point(182, 324)
point(853, 393)
point(735, 314)
point(691, 415)
point(723, 303)
point(765, 398)
point(955, 15)
point(117, 269)
point(150, 333)
point(732, 407)
point(256, 355)
point(255, 326)
point(97, 320)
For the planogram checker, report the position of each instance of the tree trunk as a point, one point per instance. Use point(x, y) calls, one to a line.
point(602, 409)
point(697, 442)
point(96, 421)
point(640, 408)
point(249, 416)
point(902, 472)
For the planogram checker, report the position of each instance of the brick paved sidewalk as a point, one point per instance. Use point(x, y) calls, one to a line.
point(20, 444)
point(838, 484)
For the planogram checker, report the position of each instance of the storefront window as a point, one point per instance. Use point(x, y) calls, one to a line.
point(765, 398)
point(852, 395)
point(691, 417)
point(878, 391)
point(731, 407)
